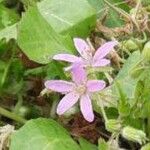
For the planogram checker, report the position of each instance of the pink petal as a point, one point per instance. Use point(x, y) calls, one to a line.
point(67, 102)
point(104, 50)
point(86, 108)
point(101, 62)
point(78, 73)
point(82, 47)
point(59, 85)
point(66, 57)
point(95, 85)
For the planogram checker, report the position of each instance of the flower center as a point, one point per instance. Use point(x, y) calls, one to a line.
point(81, 89)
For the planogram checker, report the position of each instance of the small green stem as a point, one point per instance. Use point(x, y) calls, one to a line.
point(102, 108)
point(11, 115)
point(101, 103)
point(19, 104)
point(5, 74)
point(53, 109)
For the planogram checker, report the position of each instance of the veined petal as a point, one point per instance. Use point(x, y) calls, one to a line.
point(59, 85)
point(86, 108)
point(82, 47)
point(95, 85)
point(67, 102)
point(66, 57)
point(78, 73)
point(101, 62)
point(104, 50)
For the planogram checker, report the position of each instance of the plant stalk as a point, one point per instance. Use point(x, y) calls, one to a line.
point(11, 115)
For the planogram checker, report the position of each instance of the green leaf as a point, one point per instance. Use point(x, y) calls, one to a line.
point(75, 17)
point(42, 134)
point(9, 32)
point(126, 82)
point(142, 95)
point(85, 145)
point(38, 40)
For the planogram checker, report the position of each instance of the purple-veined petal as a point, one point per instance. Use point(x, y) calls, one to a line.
point(59, 85)
point(86, 108)
point(101, 63)
point(95, 85)
point(78, 73)
point(104, 50)
point(67, 102)
point(82, 47)
point(66, 57)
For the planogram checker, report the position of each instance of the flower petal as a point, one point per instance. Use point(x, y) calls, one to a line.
point(104, 50)
point(82, 47)
point(67, 102)
point(86, 108)
point(95, 85)
point(66, 57)
point(59, 85)
point(78, 73)
point(101, 62)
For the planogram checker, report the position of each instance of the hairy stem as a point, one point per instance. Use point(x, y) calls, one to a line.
point(11, 115)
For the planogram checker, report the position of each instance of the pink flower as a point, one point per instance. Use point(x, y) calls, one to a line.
point(86, 56)
point(80, 89)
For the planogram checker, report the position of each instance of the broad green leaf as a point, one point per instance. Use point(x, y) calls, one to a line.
point(75, 17)
point(85, 145)
point(126, 82)
point(42, 134)
point(38, 40)
point(9, 32)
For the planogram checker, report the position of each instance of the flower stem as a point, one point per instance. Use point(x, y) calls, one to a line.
point(102, 108)
point(53, 109)
point(101, 103)
point(11, 115)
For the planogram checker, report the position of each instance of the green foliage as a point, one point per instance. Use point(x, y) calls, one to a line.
point(102, 145)
point(9, 32)
point(42, 134)
point(40, 42)
point(77, 23)
point(42, 28)
point(126, 82)
point(7, 16)
point(85, 145)
point(103, 9)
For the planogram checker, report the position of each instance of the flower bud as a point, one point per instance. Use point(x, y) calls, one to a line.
point(134, 135)
point(146, 51)
point(131, 45)
point(113, 125)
